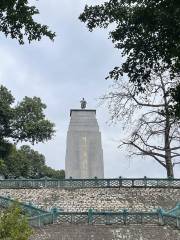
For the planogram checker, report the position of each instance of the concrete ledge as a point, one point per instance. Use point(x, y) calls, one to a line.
point(82, 110)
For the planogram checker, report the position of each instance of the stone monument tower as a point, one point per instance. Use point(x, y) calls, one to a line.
point(84, 154)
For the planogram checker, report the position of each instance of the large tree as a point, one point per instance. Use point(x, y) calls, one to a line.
point(24, 121)
point(17, 21)
point(147, 118)
point(146, 31)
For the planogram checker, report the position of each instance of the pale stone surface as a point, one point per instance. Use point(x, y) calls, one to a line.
point(84, 154)
point(90, 232)
point(79, 200)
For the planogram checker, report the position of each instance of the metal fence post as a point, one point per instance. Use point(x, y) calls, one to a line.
point(120, 181)
point(90, 216)
point(145, 181)
point(125, 213)
point(39, 221)
point(178, 222)
point(160, 216)
point(108, 182)
point(83, 183)
point(54, 212)
point(45, 182)
point(107, 215)
point(96, 181)
point(132, 182)
point(70, 179)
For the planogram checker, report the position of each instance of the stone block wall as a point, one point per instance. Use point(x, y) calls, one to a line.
point(112, 199)
point(107, 199)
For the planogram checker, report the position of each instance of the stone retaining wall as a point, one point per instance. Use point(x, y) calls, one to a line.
point(98, 199)
point(112, 199)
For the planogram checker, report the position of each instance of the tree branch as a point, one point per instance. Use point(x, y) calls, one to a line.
point(149, 153)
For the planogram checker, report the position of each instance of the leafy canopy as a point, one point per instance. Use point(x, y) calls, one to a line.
point(146, 31)
point(27, 163)
point(17, 21)
point(27, 122)
point(52, 173)
point(24, 121)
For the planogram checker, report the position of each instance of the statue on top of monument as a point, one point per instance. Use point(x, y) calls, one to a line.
point(83, 103)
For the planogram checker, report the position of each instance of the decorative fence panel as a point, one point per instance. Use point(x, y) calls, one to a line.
point(71, 217)
point(38, 217)
point(91, 183)
point(123, 218)
point(41, 220)
point(107, 218)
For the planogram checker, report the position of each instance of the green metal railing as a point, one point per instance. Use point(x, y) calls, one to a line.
point(158, 216)
point(91, 183)
point(28, 208)
point(124, 217)
point(39, 217)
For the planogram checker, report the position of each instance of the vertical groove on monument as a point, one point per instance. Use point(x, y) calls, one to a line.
point(84, 154)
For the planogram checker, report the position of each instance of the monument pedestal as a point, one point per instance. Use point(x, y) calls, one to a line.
point(84, 154)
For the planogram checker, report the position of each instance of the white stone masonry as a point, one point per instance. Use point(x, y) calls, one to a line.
point(84, 154)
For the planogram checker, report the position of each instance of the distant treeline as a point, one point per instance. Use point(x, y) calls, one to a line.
point(25, 162)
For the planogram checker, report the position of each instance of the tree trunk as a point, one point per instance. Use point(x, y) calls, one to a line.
point(169, 165)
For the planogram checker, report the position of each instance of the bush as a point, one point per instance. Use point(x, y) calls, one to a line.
point(14, 225)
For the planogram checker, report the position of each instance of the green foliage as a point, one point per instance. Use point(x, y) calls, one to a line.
point(6, 112)
point(52, 173)
point(146, 31)
point(24, 121)
point(27, 163)
point(24, 162)
point(17, 21)
point(30, 123)
point(2, 165)
point(13, 225)
point(5, 148)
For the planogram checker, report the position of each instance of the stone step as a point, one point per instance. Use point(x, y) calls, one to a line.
point(91, 232)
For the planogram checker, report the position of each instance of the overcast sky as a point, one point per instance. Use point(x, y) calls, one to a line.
point(61, 73)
